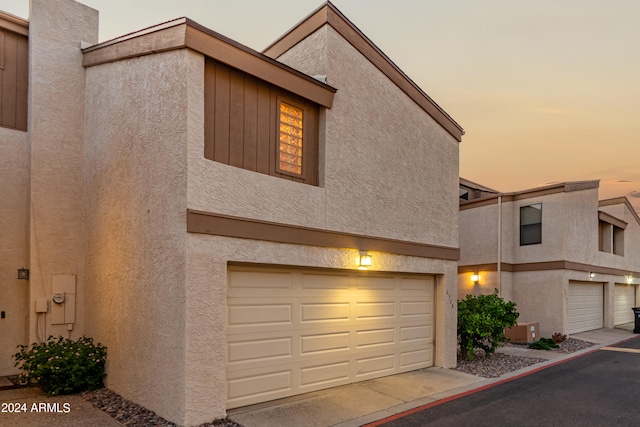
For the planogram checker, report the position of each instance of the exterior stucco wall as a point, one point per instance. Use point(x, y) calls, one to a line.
point(384, 159)
point(56, 131)
point(541, 296)
point(479, 235)
point(208, 258)
point(14, 251)
point(136, 139)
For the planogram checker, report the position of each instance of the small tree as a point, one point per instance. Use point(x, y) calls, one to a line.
point(481, 323)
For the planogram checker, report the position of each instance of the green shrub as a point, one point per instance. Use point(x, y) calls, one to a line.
point(481, 323)
point(544, 344)
point(63, 366)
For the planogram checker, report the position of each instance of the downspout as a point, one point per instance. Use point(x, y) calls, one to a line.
point(499, 269)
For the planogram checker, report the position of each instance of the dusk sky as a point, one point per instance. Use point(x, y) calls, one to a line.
point(547, 91)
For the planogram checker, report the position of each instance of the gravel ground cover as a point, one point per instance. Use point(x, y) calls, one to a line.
point(500, 363)
point(133, 415)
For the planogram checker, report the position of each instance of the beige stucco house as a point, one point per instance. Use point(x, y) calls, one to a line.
point(566, 258)
point(234, 226)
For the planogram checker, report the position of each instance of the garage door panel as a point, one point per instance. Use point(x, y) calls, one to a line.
point(416, 358)
point(260, 350)
point(585, 307)
point(327, 312)
point(323, 343)
point(375, 337)
point(415, 308)
point(624, 301)
point(326, 282)
point(328, 335)
point(409, 334)
point(375, 365)
point(375, 310)
point(247, 315)
point(269, 386)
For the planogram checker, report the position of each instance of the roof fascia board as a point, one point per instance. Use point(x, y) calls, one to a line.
point(329, 14)
point(621, 200)
point(14, 24)
point(612, 220)
point(261, 66)
point(184, 33)
point(565, 187)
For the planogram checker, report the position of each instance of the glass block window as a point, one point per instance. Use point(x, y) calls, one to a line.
point(290, 148)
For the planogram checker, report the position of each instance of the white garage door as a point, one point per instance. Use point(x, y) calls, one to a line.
point(586, 306)
point(296, 331)
point(625, 299)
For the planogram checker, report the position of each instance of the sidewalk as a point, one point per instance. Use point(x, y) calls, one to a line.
point(347, 406)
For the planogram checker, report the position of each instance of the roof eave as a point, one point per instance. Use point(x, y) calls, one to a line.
point(184, 33)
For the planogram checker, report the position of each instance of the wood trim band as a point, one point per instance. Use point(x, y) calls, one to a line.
point(184, 33)
point(329, 14)
point(14, 24)
point(245, 228)
point(545, 266)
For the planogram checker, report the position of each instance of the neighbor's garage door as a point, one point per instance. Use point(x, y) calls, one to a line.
point(625, 299)
point(586, 306)
point(296, 331)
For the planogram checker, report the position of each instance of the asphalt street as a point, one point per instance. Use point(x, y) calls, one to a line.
point(601, 388)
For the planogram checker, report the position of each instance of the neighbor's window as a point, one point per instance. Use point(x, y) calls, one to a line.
point(610, 238)
point(290, 141)
point(531, 224)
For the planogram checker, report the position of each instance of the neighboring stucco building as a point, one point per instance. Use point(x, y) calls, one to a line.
point(204, 209)
point(564, 257)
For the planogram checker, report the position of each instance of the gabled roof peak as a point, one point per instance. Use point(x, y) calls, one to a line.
point(328, 14)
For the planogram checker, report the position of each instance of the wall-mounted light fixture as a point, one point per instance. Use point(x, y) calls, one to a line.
point(475, 278)
point(630, 278)
point(592, 275)
point(365, 261)
point(23, 274)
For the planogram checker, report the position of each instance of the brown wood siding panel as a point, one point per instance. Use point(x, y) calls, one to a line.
point(9, 81)
point(22, 84)
point(241, 119)
point(236, 118)
point(13, 81)
point(209, 109)
point(221, 118)
point(311, 143)
point(263, 140)
point(250, 142)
